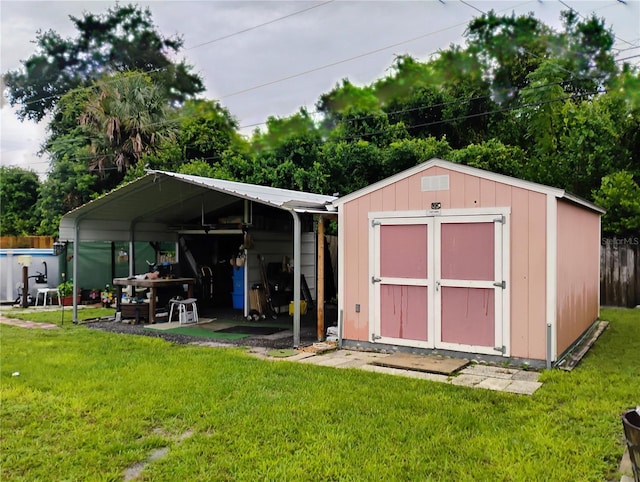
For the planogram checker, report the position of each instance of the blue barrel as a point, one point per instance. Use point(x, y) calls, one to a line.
point(238, 301)
point(238, 281)
point(238, 288)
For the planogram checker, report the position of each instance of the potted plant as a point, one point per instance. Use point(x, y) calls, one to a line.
point(66, 293)
point(107, 297)
point(94, 295)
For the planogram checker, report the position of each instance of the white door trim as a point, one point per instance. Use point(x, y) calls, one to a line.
point(374, 286)
point(501, 295)
point(434, 307)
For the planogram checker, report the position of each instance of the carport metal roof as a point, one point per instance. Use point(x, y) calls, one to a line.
point(147, 208)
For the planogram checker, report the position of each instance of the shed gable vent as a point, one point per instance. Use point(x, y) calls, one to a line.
point(435, 183)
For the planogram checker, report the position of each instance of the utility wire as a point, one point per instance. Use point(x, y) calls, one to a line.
point(325, 66)
point(415, 126)
point(461, 100)
point(259, 25)
point(200, 45)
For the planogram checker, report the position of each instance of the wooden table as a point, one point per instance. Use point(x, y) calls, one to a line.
point(153, 285)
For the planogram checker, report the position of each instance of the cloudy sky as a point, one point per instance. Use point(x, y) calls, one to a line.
point(269, 58)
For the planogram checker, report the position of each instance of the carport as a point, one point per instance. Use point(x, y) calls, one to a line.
point(162, 206)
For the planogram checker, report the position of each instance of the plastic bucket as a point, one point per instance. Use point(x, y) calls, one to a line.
point(303, 308)
point(631, 425)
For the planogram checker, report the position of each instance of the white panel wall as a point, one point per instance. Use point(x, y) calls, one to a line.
point(273, 246)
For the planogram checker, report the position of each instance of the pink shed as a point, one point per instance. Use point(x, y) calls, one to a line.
point(456, 259)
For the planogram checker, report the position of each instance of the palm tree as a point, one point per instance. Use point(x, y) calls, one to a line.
point(127, 118)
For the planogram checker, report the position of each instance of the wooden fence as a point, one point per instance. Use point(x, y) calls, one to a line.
point(620, 272)
point(14, 242)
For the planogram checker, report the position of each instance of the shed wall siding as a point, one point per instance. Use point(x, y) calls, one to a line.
point(527, 245)
point(578, 272)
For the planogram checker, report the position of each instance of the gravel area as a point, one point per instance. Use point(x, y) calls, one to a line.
point(307, 335)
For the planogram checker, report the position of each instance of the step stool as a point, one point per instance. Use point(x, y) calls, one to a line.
point(185, 315)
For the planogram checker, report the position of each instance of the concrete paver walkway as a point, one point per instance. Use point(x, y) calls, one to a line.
point(476, 375)
point(26, 324)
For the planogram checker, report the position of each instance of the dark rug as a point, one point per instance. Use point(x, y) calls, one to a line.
point(252, 330)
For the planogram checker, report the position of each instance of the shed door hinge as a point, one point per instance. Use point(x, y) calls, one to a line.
point(375, 222)
point(375, 280)
point(501, 284)
point(502, 349)
point(375, 337)
point(500, 220)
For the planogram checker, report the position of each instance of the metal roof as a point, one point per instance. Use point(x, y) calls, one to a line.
point(152, 203)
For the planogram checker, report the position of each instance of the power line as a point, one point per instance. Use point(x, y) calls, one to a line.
point(259, 25)
point(328, 65)
point(627, 58)
point(414, 126)
point(461, 100)
point(480, 114)
point(338, 62)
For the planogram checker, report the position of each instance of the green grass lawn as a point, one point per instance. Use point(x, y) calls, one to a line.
point(88, 404)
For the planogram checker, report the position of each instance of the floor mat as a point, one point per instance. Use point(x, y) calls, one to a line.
point(252, 330)
point(204, 333)
point(422, 363)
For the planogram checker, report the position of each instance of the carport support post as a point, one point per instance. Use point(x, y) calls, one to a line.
point(132, 254)
point(25, 287)
point(320, 285)
point(297, 237)
point(76, 242)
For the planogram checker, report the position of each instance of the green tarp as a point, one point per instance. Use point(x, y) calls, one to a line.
point(99, 262)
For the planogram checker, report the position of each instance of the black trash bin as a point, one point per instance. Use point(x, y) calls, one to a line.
point(631, 425)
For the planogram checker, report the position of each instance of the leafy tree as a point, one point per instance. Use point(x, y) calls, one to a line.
point(69, 182)
point(18, 195)
point(585, 51)
point(406, 153)
point(68, 185)
point(352, 165)
point(95, 135)
point(589, 148)
point(204, 169)
point(123, 39)
point(205, 135)
point(342, 97)
point(493, 156)
point(623, 101)
point(619, 194)
point(439, 98)
point(286, 155)
point(540, 116)
point(207, 130)
point(508, 48)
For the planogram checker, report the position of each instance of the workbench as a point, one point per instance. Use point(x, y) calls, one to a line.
point(153, 285)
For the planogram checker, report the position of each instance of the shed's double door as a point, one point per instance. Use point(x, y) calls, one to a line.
point(439, 282)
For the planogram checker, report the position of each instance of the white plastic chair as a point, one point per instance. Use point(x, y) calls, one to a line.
point(184, 314)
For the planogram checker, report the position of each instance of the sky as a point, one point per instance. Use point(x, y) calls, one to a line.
point(270, 58)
